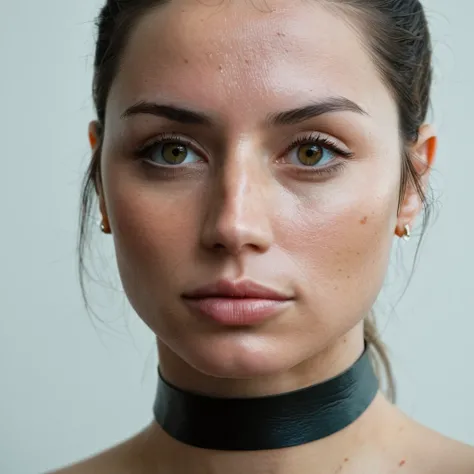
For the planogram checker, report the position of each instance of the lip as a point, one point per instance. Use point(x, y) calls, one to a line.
point(239, 303)
point(239, 289)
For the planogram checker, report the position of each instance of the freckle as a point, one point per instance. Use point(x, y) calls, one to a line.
point(186, 61)
point(247, 61)
point(348, 277)
point(220, 68)
point(364, 220)
point(339, 270)
point(346, 459)
point(402, 463)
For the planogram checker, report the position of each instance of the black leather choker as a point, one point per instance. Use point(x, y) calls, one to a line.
point(270, 422)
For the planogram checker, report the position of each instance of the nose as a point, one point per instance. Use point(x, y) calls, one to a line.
point(238, 212)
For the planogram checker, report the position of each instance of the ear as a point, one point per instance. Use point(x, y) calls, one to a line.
point(422, 154)
point(95, 137)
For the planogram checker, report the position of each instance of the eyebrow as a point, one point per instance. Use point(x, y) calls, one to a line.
point(170, 112)
point(288, 117)
point(328, 105)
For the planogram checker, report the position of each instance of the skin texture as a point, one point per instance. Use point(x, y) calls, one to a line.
point(244, 207)
point(246, 210)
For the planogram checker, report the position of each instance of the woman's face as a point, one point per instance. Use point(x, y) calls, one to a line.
point(283, 169)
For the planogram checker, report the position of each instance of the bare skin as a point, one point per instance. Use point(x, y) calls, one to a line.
point(382, 441)
point(243, 205)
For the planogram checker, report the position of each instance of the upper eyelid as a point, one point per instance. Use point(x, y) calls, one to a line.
point(170, 138)
point(325, 140)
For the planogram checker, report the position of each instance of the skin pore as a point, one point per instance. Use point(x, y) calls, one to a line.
point(248, 97)
point(243, 206)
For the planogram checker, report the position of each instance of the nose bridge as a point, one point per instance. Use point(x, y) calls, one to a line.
point(240, 188)
point(238, 211)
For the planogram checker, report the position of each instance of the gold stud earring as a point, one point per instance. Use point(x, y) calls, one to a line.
point(407, 233)
point(104, 227)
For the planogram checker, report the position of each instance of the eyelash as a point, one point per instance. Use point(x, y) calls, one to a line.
point(143, 152)
point(317, 138)
point(322, 140)
point(325, 142)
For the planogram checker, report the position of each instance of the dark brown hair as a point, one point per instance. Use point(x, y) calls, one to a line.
point(397, 37)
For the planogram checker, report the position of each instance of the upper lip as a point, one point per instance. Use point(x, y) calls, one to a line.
point(239, 289)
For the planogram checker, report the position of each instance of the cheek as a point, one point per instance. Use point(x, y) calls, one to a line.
point(342, 248)
point(153, 230)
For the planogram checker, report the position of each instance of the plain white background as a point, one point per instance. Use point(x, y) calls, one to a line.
point(70, 387)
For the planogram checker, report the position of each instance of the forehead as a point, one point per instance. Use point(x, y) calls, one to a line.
point(245, 56)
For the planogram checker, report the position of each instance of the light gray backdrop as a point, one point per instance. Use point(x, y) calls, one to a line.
point(69, 388)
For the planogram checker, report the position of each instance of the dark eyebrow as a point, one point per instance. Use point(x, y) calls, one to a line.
point(288, 117)
point(170, 112)
point(300, 114)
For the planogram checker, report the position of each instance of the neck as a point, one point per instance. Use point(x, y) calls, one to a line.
point(330, 451)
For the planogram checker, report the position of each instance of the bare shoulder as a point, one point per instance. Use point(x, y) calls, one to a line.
point(120, 459)
point(107, 462)
point(424, 451)
point(447, 455)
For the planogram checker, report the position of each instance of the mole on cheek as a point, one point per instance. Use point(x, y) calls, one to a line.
point(364, 220)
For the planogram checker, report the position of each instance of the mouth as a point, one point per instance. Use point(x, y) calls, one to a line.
point(240, 303)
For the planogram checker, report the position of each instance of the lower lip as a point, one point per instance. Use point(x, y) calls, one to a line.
point(238, 311)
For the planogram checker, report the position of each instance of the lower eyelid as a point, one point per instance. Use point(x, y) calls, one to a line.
point(318, 172)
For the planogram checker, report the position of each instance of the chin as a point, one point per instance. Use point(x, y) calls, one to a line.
point(239, 356)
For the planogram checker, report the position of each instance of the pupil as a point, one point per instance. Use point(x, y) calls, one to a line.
point(176, 151)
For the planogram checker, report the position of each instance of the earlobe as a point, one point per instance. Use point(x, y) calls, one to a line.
point(104, 224)
point(409, 210)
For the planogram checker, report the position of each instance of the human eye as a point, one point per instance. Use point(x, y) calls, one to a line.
point(316, 152)
point(169, 151)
